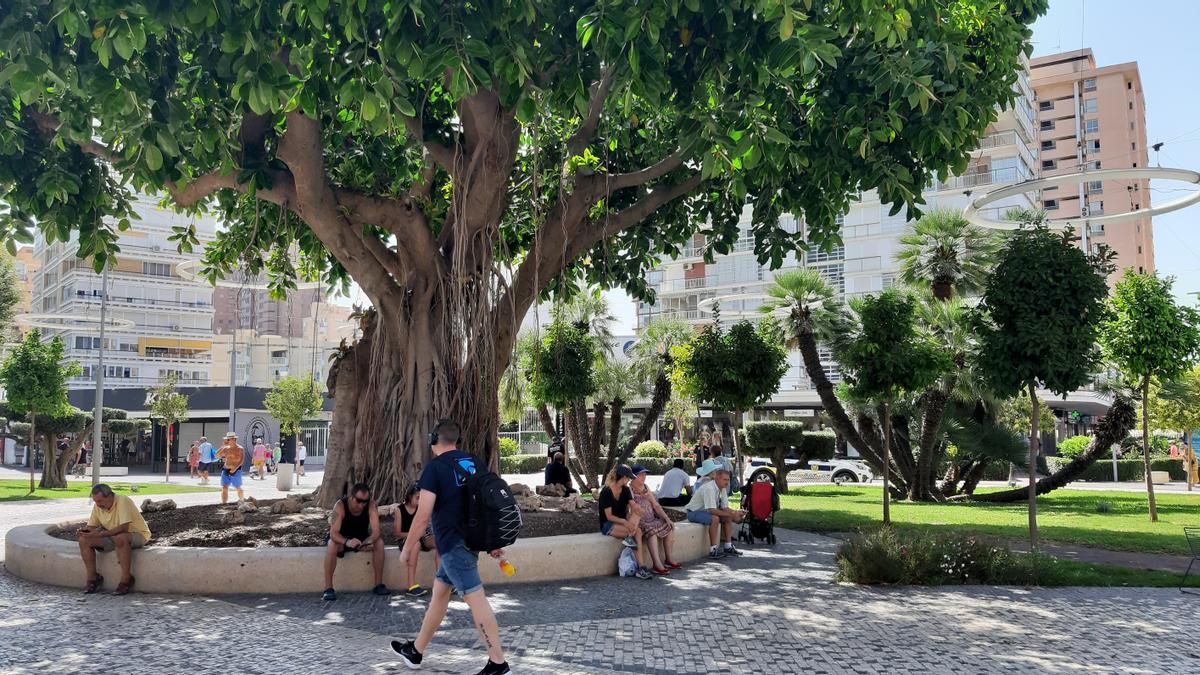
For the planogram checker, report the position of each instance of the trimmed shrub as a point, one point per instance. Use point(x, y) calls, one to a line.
point(1127, 469)
point(819, 445)
point(766, 436)
point(508, 447)
point(1074, 446)
point(522, 464)
point(660, 465)
point(886, 556)
point(650, 449)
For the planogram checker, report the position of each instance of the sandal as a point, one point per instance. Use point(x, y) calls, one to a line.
point(123, 588)
point(673, 565)
point(660, 570)
point(94, 585)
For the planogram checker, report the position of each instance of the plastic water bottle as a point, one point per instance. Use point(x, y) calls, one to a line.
point(507, 567)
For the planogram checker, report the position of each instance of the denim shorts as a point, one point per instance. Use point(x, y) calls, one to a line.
point(702, 517)
point(234, 479)
point(606, 527)
point(459, 568)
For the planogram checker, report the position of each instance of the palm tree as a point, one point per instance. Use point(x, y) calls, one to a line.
point(652, 362)
point(617, 381)
point(947, 254)
point(515, 396)
point(591, 309)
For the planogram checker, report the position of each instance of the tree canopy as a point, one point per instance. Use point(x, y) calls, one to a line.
point(734, 369)
point(35, 378)
point(167, 404)
point(292, 400)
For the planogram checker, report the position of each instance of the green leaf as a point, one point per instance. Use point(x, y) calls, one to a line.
point(154, 158)
point(405, 106)
point(369, 108)
point(785, 26)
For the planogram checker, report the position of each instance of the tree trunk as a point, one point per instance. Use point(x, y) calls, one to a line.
point(599, 417)
point(616, 455)
point(933, 409)
point(779, 461)
point(1191, 457)
point(547, 422)
point(417, 371)
point(887, 463)
point(54, 473)
point(29, 452)
point(662, 394)
point(1115, 426)
point(737, 449)
point(1034, 441)
point(1146, 447)
point(343, 386)
point(972, 477)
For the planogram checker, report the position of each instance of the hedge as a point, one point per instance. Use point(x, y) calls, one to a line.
point(537, 463)
point(650, 449)
point(1127, 469)
point(509, 447)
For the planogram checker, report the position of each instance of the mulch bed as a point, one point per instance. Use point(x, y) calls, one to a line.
point(201, 526)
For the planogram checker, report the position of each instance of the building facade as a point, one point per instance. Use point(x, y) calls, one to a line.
point(254, 309)
point(26, 267)
point(171, 316)
point(263, 357)
point(1092, 118)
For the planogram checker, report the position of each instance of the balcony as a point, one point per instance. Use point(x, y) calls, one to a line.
point(746, 243)
point(121, 300)
point(976, 179)
point(698, 282)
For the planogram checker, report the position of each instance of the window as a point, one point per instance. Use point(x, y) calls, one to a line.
point(1095, 166)
point(156, 269)
point(1050, 204)
point(1049, 145)
point(1045, 105)
point(1049, 164)
point(1132, 146)
point(1097, 229)
point(1095, 187)
point(1131, 107)
point(840, 219)
point(1089, 84)
point(1129, 85)
point(1047, 125)
point(1139, 250)
point(82, 342)
point(1090, 105)
point(1093, 145)
point(1091, 126)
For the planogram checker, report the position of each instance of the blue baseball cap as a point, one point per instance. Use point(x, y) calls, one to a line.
point(638, 470)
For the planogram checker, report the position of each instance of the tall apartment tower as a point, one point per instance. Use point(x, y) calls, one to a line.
point(171, 316)
point(254, 309)
point(866, 261)
point(1092, 118)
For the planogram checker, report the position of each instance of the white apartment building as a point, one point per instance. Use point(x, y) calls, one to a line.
point(172, 317)
point(864, 263)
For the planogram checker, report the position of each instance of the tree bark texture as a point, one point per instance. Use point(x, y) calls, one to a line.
point(30, 453)
point(1146, 448)
point(887, 463)
point(547, 422)
point(616, 455)
point(1121, 418)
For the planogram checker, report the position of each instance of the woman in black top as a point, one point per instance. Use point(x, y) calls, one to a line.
point(402, 523)
point(558, 474)
point(619, 516)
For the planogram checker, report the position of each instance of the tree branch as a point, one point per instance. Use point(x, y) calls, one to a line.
point(641, 177)
point(49, 124)
point(445, 157)
point(587, 129)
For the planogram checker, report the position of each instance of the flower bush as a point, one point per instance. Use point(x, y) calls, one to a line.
point(650, 449)
point(888, 556)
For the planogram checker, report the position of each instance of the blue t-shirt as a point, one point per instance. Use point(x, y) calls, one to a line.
point(440, 478)
point(207, 453)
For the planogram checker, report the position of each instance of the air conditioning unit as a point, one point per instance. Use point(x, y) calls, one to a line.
point(175, 328)
point(1084, 211)
point(687, 267)
point(156, 247)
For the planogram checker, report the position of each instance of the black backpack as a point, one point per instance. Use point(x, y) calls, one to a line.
point(491, 518)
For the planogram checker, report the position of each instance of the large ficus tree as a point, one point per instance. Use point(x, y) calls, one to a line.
point(458, 160)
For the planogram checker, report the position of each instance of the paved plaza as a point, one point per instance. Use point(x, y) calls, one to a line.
point(773, 611)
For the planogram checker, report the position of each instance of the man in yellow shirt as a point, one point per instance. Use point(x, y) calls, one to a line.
point(115, 525)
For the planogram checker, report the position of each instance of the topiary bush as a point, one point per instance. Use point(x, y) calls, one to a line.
point(1074, 446)
point(819, 444)
point(766, 436)
point(650, 449)
point(660, 465)
point(509, 447)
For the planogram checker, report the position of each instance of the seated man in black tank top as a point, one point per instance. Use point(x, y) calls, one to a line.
point(355, 527)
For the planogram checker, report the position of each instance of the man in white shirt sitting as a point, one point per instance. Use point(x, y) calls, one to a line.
point(710, 506)
point(676, 488)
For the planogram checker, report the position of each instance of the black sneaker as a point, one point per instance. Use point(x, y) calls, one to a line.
point(329, 595)
point(495, 668)
point(381, 589)
point(408, 652)
point(733, 552)
point(716, 553)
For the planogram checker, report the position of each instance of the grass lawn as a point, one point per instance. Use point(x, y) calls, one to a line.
point(1069, 516)
point(1055, 572)
point(12, 490)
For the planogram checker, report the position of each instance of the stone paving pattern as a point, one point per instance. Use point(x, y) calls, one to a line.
point(773, 611)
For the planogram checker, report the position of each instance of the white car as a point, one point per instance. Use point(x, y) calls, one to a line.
point(819, 471)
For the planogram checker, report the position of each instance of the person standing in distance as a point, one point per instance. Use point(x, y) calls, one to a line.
point(208, 456)
point(301, 455)
point(234, 456)
point(442, 499)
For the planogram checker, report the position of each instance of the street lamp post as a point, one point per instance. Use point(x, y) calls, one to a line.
point(98, 413)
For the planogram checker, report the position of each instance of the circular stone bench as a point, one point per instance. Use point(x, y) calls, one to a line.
point(30, 552)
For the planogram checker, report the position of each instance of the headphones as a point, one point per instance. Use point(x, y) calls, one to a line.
point(433, 435)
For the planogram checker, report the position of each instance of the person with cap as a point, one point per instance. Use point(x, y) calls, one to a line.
point(233, 456)
point(655, 524)
point(710, 507)
point(619, 517)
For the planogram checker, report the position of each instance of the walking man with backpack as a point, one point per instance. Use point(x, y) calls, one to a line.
point(450, 485)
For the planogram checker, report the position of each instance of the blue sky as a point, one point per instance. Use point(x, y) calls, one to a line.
point(1161, 36)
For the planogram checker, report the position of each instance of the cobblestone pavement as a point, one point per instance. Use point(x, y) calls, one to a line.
point(773, 611)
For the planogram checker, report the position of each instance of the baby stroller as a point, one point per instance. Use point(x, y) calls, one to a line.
point(761, 501)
